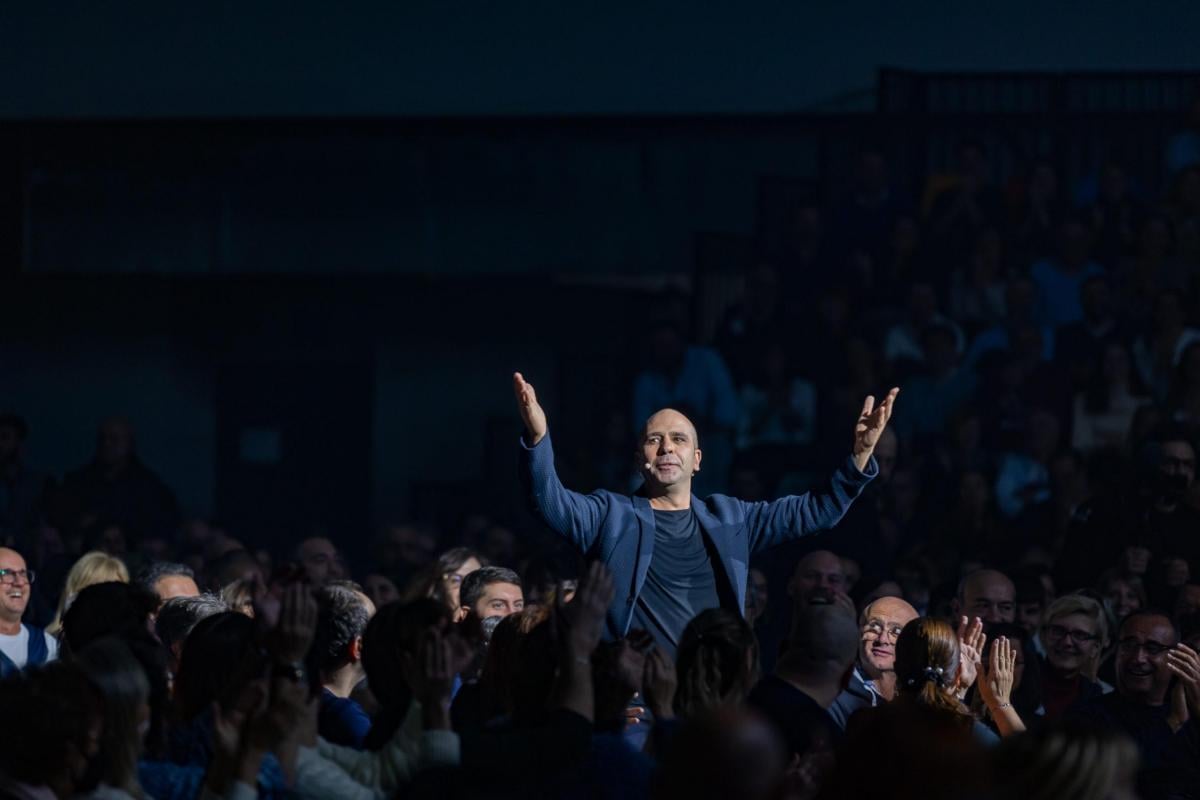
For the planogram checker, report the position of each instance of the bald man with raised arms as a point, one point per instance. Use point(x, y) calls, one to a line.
point(672, 555)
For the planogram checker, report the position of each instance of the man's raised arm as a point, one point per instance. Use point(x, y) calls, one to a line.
point(531, 410)
point(573, 515)
point(820, 509)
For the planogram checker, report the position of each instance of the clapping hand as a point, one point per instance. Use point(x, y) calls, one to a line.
point(584, 616)
point(293, 636)
point(971, 640)
point(996, 685)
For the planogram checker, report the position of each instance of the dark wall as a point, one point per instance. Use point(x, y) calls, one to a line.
point(143, 58)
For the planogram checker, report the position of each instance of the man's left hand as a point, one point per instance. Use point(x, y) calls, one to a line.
point(871, 423)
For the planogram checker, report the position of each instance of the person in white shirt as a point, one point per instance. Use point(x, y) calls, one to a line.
point(21, 645)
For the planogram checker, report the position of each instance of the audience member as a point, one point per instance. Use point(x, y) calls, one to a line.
point(1149, 656)
point(442, 580)
point(336, 656)
point(490, 592)
point(91, 568)
point(873, 679)
point(1074, 633)
point(168, 580)
point(117, 488)
point(717, 662)
point(320, 560)
point(21, 645)
point(808, 679)
point(988, 595)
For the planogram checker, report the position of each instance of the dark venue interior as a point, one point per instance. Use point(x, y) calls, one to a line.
point(489, 401)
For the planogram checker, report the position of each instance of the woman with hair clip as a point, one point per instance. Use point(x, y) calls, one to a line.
point(931, 674)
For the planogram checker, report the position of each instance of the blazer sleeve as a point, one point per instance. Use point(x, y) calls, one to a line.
point(570, 514)
point(788, 518)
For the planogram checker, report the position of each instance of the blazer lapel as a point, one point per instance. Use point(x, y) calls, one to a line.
point(645, 518)
point(719, 534)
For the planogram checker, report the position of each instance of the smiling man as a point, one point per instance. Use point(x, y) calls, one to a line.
point(21, 645)
point(672, 554)
point(1151, 667)
point(873, 680)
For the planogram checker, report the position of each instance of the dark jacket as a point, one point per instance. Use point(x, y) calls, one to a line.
point(619, 529)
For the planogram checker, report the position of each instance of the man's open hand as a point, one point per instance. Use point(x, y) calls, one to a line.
point(531, 411)
point(871, 422)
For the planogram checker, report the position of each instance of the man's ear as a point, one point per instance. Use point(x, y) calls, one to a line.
point(355, 650)
point(461, 614)
point(699, 455)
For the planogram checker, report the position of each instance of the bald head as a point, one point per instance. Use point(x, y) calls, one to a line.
point(880, 625)
point(669, 452)
point(823, 642)
point(818, 577)
point(989, 595)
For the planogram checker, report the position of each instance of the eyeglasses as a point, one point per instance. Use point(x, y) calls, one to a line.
point(877, 628)
point(454, 578)
point(10, 575)
point(1077, 636)
point(1130, 647)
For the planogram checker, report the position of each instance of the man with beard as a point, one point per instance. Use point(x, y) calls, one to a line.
point(672, 554)
point(873, 680)
point(1160, 718)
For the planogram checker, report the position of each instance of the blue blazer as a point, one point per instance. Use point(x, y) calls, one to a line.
point(619, 529)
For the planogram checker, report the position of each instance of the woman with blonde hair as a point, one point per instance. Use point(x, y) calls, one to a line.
point(91, 568)
point(1075, 634)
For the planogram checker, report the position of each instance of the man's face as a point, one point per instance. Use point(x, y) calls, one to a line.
point(1179, 462)
point(15, 595)
point(1029, 616)
point(817, 579)
point(499, 600)
point(321, 561)
point(991, 597)
point(1142, 672)
point(669, 447)
point(175, 586)
point(381, 590)
point(1122, 598)
point(884, 620)
point(1071, 641)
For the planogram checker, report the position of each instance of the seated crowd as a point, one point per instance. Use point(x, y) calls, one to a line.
point(1011, 609)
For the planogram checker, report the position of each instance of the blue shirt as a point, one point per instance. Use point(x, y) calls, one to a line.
point(341, 720)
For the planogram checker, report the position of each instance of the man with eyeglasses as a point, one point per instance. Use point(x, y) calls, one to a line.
point(21, 645)
point(873, 680)
point(1149, 657)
